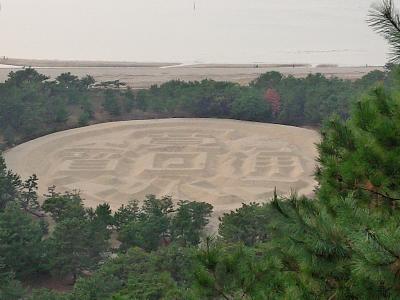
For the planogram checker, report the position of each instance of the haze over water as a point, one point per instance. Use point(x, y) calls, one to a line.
point(209, 31)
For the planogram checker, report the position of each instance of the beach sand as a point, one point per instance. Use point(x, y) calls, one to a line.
point(144, 75)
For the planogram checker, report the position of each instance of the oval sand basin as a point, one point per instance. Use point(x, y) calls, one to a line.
point(223, 162)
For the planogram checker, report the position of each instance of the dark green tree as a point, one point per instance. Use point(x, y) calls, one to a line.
point(74, 247)
point(238, 272)
point(189, 222)
point(345, 242)
point(63, 206)
point(251, 106)
point(21, 246)
point(10, 288)
point(87, 81)
point(268, 80)
point(111, 103)
point(24, 77)
point(248, 224)
point(29, 197)
point(69, 250)
point(126, 214)
point(162, 274)
point(152, 226)
point(67, 80)
point(10, 184)
point(45, 294)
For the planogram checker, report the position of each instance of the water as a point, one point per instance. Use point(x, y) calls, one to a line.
point(217, 31)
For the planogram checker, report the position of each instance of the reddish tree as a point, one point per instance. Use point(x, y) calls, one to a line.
point(274, 99)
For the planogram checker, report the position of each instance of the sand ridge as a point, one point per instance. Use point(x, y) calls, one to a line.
point(223, 162)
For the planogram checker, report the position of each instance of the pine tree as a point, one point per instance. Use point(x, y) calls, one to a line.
point(345, 243)
point(21, 246)
point(189, 221)
point(385, 20)
point(10, 184)
point(10, 288)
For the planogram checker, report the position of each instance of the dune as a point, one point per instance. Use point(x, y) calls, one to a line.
point(222, 162)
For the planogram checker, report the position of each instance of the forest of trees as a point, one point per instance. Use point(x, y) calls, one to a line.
point(341, 244)
point(32, 105)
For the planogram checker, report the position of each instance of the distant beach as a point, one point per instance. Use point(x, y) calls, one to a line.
point(143, 75)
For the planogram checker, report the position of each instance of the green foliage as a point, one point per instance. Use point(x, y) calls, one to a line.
point(140, 275)
point(129, 101)
point(126, 214)
point(268, 80)
point(21, 241)
point(111, 104)
point(10, 289)
point(248, 224)
point(189, 221)
point(63, 206)
point(87, 81)
point(344, 244)
point(29, 198)
point(32, 105)
point(10, 184)
point(73, 248)
point(84, 119)
point(151, 227)
point(81, 236)
point(67, 80)
point(103, 214)
point(25, 77)
point(15, 191)
point(385, 20)
point(238, 272)
point(158, 223)
point(251, 106)
point(361, 155)
point(45, 294)
point(152, 286)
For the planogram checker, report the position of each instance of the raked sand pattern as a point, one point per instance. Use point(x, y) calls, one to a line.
point(223, 162)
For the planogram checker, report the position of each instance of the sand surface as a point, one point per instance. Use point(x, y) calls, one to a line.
point(223, 162)
point(144, 75)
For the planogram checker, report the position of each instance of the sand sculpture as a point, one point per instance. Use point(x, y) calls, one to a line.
point(223, 162)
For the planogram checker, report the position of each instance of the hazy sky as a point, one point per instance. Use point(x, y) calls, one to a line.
point(281, 31)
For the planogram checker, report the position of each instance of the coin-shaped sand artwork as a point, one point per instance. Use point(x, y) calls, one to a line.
point(222, 162)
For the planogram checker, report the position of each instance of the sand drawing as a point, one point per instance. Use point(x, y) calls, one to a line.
point(223, 162)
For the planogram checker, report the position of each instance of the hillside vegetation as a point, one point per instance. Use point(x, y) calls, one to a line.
point(32, 105)
point(342, 244)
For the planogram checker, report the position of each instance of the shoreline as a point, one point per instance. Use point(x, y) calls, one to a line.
point(60, 63)
point(144, 75)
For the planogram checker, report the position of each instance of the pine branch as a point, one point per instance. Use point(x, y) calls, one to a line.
point(277, 206)
point(385, 20)
point(379, 194)
point(373, 236)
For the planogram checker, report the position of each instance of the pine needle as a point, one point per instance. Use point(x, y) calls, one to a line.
point(385, 20)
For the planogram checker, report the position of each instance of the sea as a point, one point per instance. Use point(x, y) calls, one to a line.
point(193, 31)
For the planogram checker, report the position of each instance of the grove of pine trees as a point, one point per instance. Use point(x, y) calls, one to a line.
point(32, 105)
point(344, 243)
